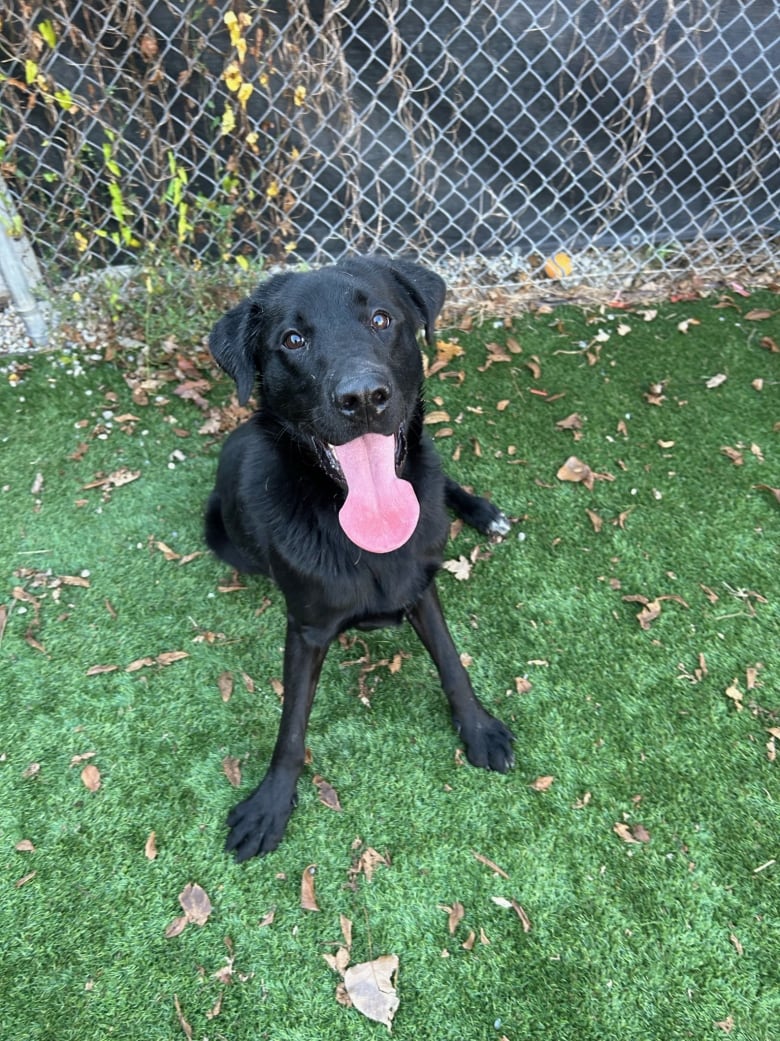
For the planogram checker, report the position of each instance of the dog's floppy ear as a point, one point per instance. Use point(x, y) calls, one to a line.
point(426, 291)
point(232, 342)
point(424, 288)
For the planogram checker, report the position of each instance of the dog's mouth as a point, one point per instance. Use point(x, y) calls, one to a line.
point(381, 509)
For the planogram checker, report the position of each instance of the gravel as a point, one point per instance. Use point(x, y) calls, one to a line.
point(13, 335)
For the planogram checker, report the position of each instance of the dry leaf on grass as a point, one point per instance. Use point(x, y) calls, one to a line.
point(576, 471)
point(651, 609)
point(460, 568)
point(308, 898)
point(180, 1016)
point(489, 864)
point(541, 784)
point(371, 988)
point(368, 861)
point(635, 834)
point(90, 777)
point(150, 847)
point(455, 913)
point(196, 905)
point(225, 685)
point(501, 901)
point(232, 770)
point(772, 491)
point(715, 381)
point(327, 793)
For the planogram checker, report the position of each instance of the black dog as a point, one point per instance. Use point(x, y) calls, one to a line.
point(334, 491)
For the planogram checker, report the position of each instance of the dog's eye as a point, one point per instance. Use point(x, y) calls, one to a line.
point(380, 320)
point(293, 340)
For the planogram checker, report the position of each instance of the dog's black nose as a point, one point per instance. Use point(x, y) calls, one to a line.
point(362, 394)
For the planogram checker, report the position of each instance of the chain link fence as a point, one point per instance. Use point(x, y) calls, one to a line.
point(641, 138)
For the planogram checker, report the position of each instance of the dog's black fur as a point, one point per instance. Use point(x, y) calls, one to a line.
point(329, 367)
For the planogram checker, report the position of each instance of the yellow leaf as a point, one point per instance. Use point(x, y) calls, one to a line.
point(232, 76)
point(244, 94)
point(228, 121)
point(300, 95)
point(48, 32)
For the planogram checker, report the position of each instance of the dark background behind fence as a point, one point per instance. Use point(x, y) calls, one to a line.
point(640, 137)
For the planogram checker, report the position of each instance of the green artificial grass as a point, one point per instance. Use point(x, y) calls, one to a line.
point(666, 928)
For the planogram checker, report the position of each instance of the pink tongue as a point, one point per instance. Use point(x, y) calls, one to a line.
point(381, 510)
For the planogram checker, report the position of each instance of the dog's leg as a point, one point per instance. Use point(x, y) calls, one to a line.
point(257, 824)
point(488, 742)
point(474, 510)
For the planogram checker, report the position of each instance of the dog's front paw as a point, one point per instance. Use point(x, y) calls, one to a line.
point(489, 519)
point(257, 824)
point(488, 744)
point(500, 524)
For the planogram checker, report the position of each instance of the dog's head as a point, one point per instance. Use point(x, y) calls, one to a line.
point(354, 319)
point(335, 356)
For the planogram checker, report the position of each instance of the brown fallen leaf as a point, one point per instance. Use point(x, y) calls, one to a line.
point(624, 832)
point(541, 784)
point(169, 657)
point(368, 862)
point(82, 758)
point(231, 767)
point(522, 684)
point(571, 422)
point(25, 846)
point(166, 658)
point(489, 864)
point(308, 899)
point(327, 793)
point(734, 454)
point(758, 314)
point(113, 480)
point(595, 520)
point(371, 989)
point(176, 927)
point(655, 393)
point(225, 684)
point(150, 847)
point(75, 580)
point(98, 670)
point(460, 568)
point(576, 471)
point(139, 663)
point(180, 1016)
point(167, 552)
point(772, 491)
point(496, 353)
point(735, 694)
point(513, 905)
point(456, 913)
point(90, 777)
point(31, 641)
point(195, 904)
